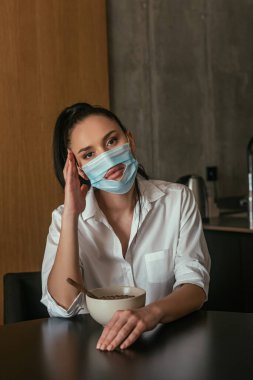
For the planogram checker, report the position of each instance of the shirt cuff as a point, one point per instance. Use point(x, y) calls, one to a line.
point(195, 274)
point(78, 306)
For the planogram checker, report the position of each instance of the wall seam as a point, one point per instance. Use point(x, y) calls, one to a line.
point(209, 86)
point(152, 123)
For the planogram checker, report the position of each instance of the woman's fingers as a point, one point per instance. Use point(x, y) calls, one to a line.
point(125, 337)
point(75, 194)
point(113, 329)
point(123, 330)
point(70, 170)
point(126, 326)
point(135, 334)
point(66, 166)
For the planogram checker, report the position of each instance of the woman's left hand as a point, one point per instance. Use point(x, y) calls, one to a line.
point(126, 326)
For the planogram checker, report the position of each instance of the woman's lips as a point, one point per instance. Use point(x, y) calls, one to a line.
point(115, 173)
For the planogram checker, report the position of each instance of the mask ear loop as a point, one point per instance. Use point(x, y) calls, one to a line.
point(128, 142)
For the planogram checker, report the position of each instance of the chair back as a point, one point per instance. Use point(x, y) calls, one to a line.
point(22, 294)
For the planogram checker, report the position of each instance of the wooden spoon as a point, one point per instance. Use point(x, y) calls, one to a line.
point(81, 288)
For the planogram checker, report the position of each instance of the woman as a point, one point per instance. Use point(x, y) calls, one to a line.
point(118, 227)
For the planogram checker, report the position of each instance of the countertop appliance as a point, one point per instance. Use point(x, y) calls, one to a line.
point(197, 185)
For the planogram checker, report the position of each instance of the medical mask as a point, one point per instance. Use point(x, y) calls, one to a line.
point(98, 167)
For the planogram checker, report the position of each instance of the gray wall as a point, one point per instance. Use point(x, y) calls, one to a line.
point(181, 79)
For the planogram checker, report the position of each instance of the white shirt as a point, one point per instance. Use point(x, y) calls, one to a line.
point(166, 248)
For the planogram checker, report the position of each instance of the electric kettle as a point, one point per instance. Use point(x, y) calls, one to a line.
point(198, 187)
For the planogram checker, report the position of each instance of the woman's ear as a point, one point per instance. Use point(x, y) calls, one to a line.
point(81, 173)
point(131, 141)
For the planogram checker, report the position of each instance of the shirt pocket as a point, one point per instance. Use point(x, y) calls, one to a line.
point(159, 266)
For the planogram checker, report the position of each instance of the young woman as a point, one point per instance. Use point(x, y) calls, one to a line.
point(118, 227)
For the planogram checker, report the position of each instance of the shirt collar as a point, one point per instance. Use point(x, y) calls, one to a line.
point(149, 193)
point(91, 209)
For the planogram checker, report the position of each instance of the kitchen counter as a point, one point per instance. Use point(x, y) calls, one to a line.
point(231, 223)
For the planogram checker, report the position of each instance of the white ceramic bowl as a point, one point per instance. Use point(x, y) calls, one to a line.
point(102, 310)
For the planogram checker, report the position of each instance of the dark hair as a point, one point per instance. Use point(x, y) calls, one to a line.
point(65, 122)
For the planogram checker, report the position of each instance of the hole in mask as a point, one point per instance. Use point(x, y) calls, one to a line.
point(115, 173)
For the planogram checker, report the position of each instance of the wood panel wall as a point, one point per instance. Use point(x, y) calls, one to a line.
point(52, 53)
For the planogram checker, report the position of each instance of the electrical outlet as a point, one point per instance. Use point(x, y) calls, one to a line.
point(211, 173)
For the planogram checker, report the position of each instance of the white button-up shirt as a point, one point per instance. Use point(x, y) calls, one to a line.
point(166, 248)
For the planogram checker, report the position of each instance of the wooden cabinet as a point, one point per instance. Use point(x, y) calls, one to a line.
point(231, 285)
point(52, 54)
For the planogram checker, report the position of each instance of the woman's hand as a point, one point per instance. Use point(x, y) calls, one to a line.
point(126, 326)
point(75, 195)
point(66, 262)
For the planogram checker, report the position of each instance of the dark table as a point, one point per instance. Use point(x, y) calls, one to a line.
point(204, 345)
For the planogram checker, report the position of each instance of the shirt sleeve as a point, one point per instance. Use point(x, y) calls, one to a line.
point(192, 262)
point(78, 306)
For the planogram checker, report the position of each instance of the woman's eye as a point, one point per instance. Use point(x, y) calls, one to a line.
point(88, 155)
point(112, 141)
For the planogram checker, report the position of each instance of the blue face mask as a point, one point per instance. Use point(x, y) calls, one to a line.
point(98, 167)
